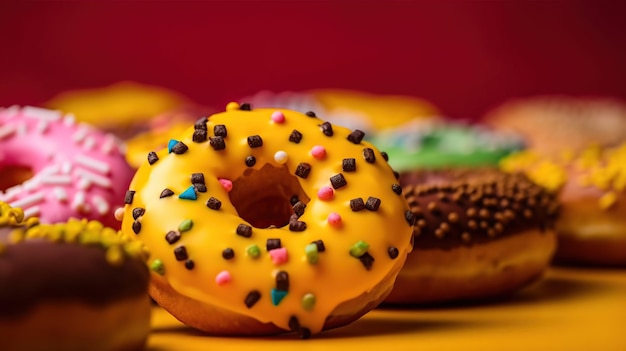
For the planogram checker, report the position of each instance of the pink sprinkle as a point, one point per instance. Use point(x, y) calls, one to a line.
point(278, 117)
point(226, 184)
point(334, 219)
point(279, 256)
point(319, 152)
point(223, 277)
point(326, 193)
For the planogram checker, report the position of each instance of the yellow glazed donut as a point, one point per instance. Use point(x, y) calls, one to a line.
point(265, 221)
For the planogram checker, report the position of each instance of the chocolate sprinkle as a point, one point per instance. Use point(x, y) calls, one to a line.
point(181, 253)
point(200, 124)
point(180, 148)
point(213, 203)
point(244, 230)
point(172, 236)
point(372, 203)
point(396, 174)
point(252, 298)
point(128, 198)
point(272, 244)
point(357, 204)
point(220, 130)
point(299, 208)
point(165, 193)
point(250, 161)
point(396, 188)
point(348, 165)
point(189, 264)
point(393, 252)
point(310, 114)
point(320, 245)
point(228, 253)
point(138, 212)
point(384, 155)
point(303, 170)
point(217, 143)
point(297, 226)
point(410, 217)
point(197, 178)
point(136, 227)
point(282, 281)
point(327, 129)
point(295, 137)
point(152, 157)
point(255, 141)
point(294, 200)
point(338, 181)
point(201, 188)
point(304, 333)
point(245, 107)
point(199, 136)
point(356, 136)
point(367, 260)
point(368, 155)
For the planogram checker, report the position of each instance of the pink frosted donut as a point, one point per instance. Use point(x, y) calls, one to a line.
point(73, 170)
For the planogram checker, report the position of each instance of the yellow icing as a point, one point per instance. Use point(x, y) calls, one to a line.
point(604, 169)
point(337, 276)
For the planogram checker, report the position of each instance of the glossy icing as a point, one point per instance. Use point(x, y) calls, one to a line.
point(78, 171)
point(219, 258)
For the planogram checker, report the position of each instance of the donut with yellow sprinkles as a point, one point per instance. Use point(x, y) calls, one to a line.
point(265, 221)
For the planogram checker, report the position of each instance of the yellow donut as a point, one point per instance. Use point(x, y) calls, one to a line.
point(265, 221)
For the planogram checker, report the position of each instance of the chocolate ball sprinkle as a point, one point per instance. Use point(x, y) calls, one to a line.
point(136, 227)
point(228, 253)
point(190, 264)
point(250, 161)
point(393, 252)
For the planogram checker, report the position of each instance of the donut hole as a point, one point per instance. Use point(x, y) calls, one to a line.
point(11, 175)
point(263, 197)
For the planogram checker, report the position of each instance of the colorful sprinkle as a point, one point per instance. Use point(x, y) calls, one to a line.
point(303, 170)
point(189, 194)
point(232, 106)
point(171, 144)
point(308, 301)
point(157, 267)
point(318, 152)
point(279, 256)
point(281, 157)
point(226, 184)
point(326, 193)
point(217, 143)
point(219, 130)
point(244, 230)
point(252, 298)
point(356, 136)
point(223, 278)
point(334, 219)
point(338, 181)
point(278, 117)
point(359, 249)
point(152, 157)
point(213, 203)
point(311, 253)
point(166, 193)
point(295, 137)
point(185, 225)
point(255, 141)
point(253, 251)
point(172, 236)
point(277, 296)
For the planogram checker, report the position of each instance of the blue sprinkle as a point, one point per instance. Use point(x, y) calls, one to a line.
point(171, 144)
point(189, 194)
point(277, 296)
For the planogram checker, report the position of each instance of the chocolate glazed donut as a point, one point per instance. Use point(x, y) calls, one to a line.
point(478, 234)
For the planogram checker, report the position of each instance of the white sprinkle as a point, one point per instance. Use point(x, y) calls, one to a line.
point(79, 202)
point(32, 211)
point(60, 194)
point(11, 192)
point(50, 170)
point(80, 134)
point(89, 143)
point(66, 168)
point(93, 164)
point(42, 126)
point(83, 184)
point(109, 143)
point(6, 131)
point(69, 119)
point(11, 112)
point(41, 113)
point(94, 178)
point(102, 206)
point(281, 157)
point(57, 180)
point(28, 200)
point(31, 184)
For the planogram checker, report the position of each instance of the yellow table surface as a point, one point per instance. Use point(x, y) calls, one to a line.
point(570, 309)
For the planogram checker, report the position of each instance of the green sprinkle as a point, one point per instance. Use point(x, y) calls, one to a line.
point(157, 266)
point(359, 249)
point(308, 301)
point(253, 251)
point(185, 225)
point(311, 253)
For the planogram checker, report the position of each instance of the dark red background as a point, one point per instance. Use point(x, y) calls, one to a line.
point(465, 57)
